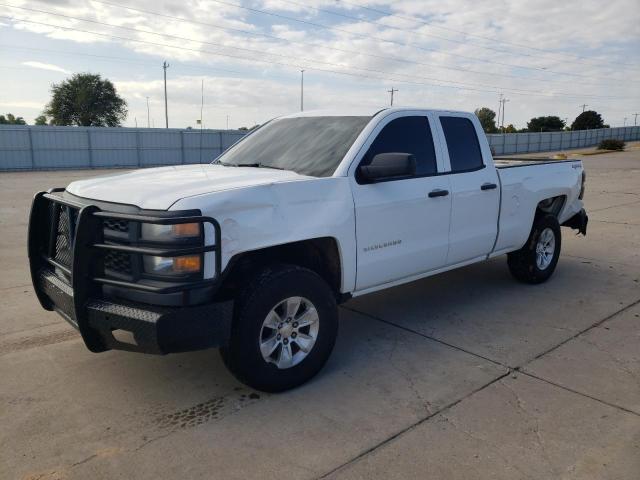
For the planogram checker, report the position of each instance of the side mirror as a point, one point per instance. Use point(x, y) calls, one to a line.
point(388, 165)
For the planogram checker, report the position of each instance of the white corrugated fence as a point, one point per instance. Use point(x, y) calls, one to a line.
point(46, 147)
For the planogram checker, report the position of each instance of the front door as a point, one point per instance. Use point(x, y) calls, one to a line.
point(402, 225)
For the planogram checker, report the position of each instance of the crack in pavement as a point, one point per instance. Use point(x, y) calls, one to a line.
point(499, 379)
point(410, 427)
point(613, 206)
point(424, 335)
point(615, 223)
point(536, 429)
point(493, 446)
point(582, 394)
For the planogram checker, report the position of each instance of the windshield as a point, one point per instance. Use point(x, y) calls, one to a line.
point(306, 145)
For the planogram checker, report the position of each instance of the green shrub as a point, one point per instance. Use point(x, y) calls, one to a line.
point(611, 144)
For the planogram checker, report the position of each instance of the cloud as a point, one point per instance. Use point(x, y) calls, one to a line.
point(46, 66)
point(428, 43)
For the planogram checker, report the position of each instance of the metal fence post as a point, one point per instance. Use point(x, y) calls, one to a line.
point(32, 153)
point(89, 148)
point(138, 153)
point(182, 146)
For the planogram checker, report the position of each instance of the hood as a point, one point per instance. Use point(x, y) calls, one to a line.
point(159, 188)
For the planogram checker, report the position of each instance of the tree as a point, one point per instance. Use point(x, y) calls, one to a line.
point(41, 120)
point(587, 121)
point(86, 99)
point(545, 124)
point(11, 119)
point(248, 129)
point(487, 119)
point(510, 129)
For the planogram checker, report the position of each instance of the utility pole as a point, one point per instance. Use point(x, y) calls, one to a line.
point(625, 122)
point(227, 122)
point(584, 105)
point(499, 110)
point(391, 92)
point(148, 125)
point(503, 101)
point(635, 119)
point(201, 109)
point(165, 65)
point(302, 90)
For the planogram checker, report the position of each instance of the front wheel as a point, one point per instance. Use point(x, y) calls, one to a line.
point(285, 327)
point(537, 260)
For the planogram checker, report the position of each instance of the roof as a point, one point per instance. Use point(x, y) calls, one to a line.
point(364, 112)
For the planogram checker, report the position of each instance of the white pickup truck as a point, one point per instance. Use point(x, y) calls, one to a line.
point(254, 252)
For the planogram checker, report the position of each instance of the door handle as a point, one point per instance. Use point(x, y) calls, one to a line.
point(438, 193)
point(488, 186)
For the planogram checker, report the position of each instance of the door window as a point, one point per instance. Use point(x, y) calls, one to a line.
point(406, 135)
point(462, 143)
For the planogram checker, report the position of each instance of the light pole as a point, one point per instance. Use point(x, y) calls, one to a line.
point(148, 112)
point(165, 65)
point(302, 90)
point(504, 100)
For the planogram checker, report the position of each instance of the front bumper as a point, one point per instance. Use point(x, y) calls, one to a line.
point(138, 327)
point(76, 291)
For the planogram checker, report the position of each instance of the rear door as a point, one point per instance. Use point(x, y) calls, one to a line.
point(401, 231)
point(474, 188)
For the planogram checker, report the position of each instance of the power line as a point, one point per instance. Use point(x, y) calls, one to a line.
point(423, 34)
point(449, 84)
point(327, 27)
point(490, 39)
point(120, 59)
point(392, 27)
point(328, 47)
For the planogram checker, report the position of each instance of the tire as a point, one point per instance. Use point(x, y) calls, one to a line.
point(270, 293)
point(528, 264)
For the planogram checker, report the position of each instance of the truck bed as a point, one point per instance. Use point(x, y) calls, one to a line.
point(510, 162)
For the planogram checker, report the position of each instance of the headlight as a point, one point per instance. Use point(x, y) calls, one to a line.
point(163, 233)
point(172, 265)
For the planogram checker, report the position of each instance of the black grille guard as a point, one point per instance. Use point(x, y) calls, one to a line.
point(85, 273)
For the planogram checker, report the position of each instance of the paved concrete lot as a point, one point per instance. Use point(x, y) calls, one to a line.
point(464, 375)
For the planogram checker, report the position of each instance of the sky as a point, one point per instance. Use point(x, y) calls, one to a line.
point(240, 60)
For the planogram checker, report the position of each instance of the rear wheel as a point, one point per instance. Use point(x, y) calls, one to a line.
point(537, 260)
point(285, 326)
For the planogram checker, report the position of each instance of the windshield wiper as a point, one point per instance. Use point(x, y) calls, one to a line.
point(258, 165)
